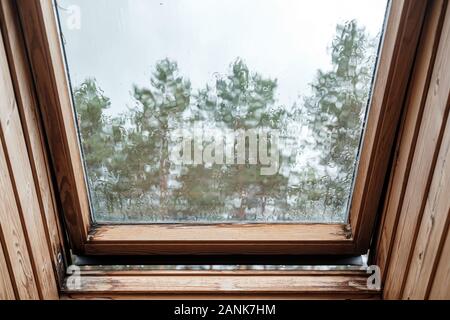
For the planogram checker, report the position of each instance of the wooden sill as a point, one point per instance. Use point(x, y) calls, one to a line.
point(101, 283)
point(272, 239)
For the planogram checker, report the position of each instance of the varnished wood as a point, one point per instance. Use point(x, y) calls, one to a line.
point(13, 237)
point(406, 143)
point(44, 51)
point(395, 66)
point(413, 249)
point(270, 233)
point(6, 285)
point(225, 248)
point(423, 164)
point(31, 124)
point(25, 191)
point(21, 226)
point(241, 270)
point(238, 284)
point(219, 239)
point(440, 288)
point(435, 220)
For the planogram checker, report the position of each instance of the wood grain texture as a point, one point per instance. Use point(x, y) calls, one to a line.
point(440, 288)
point(273, 239)
point(422, 214)
point(6, 285)
point(237, 284)
point(434, 223)
point(406, 144)
point(395, 66)
point(16, 238)
point(25, 189)
point(423, 164)
point(44, 51)
point(268, 233)
point(15, 245)
point(31, 124)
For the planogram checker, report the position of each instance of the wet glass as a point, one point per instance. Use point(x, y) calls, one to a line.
point(214, 111)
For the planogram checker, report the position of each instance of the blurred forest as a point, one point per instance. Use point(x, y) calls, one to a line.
point(127, 156)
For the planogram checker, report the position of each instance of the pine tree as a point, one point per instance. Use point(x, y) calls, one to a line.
point(334, 114)
point(97, 145)
point(242, 101)
point(158, 111)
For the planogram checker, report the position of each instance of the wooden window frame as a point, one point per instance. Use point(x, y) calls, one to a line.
point(137, 283)
point(399, 46)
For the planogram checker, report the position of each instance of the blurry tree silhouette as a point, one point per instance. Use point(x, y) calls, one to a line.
point(157, 113)
point(242, 101)
point(128, 156)
point(97, 147)
point(335, 113)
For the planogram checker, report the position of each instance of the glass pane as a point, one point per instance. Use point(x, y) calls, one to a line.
point(221, 111)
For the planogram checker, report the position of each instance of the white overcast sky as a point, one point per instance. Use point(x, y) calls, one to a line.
point(120, 41)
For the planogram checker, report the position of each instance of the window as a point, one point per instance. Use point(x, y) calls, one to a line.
point(221, 111)
point(201, 127)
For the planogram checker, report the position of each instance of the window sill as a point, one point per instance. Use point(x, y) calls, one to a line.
point(141, 283)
